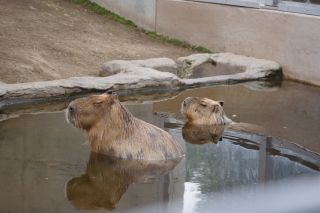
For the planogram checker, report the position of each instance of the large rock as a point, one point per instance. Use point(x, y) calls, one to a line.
point(209, 65)
point(116, 66)
point(132, 78)
point(113, 67)
point(3, 90)
point(160, 64)
point(141, 74)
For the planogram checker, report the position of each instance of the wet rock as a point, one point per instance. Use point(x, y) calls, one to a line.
point(113, 67)
point(142, 74)
point(160, 64)
point(116, 66)
point(2, 88)
point(133, 77)
point(209, 65)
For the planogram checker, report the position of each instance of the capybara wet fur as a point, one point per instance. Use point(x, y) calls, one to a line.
point(112, 130)
point(204, 111)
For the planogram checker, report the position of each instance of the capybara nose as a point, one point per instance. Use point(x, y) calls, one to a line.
point(186, 101)
point(71, 108)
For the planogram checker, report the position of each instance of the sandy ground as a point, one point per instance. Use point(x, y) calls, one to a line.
point(56, 39)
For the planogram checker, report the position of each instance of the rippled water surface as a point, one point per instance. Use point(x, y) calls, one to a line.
point(47, 167)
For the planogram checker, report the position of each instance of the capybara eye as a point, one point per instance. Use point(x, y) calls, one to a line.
point(109, 92)
point(203, 105)
point(97, 103)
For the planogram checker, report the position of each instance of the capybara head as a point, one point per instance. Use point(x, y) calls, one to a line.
point(202, 134)
point(204, 111)
point(84, 113)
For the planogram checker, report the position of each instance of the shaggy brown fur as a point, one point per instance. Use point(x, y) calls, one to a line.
point(107, 178)
point(202, 134)
point(114, 131)
point(204, 111)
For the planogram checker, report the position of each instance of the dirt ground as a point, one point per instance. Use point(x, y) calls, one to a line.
point(56, 39)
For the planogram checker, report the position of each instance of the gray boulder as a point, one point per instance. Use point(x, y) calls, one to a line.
point(160, 64)
point(209, 65)
point(132, 78)
point(116, 66)
point(199, 69)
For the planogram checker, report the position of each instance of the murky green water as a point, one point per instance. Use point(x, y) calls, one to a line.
point(47, 167)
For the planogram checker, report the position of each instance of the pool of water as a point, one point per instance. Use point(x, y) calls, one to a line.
point(46, 166)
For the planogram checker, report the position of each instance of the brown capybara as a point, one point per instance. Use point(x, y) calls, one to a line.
point(202, 134)
point(113, 130)
point(107, 178)
point(204, 111)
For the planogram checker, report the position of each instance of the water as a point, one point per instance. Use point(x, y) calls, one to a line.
point(47, 167)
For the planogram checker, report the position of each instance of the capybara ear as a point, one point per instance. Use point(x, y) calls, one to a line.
point(110, 92)
point(112, 95)
point(221, 103)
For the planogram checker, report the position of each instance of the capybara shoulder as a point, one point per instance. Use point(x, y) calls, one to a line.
point(114, 131)
point(204, 111)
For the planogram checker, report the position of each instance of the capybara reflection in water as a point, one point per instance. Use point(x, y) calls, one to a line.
point(204, 111)
point(202, 134)
point(113, 130)
point(107, 178)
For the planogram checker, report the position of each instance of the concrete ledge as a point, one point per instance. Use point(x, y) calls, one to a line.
point(138, 76)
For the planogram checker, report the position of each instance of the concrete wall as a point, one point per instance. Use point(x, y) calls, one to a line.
point(141, 12)
point(291, 39)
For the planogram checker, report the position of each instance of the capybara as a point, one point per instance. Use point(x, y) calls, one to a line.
point(113, 130)
point(202, 134)
point(107, 178)
point(204, 111)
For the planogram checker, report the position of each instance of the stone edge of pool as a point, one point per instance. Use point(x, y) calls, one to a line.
point(135, 75)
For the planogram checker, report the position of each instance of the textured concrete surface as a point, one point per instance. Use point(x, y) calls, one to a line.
point(291, 39)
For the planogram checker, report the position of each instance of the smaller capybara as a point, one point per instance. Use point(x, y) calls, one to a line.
point(204, 111)
point(112, 130)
